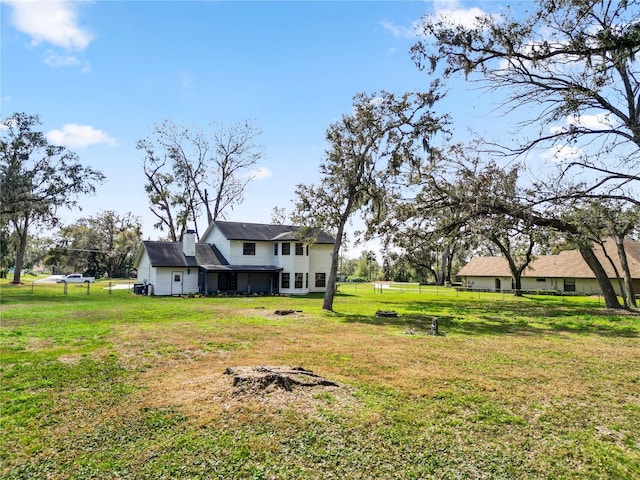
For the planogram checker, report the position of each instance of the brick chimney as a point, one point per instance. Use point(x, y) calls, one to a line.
point(189, 243)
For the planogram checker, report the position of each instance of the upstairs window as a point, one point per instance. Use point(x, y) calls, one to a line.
point(248, 248)
point(286, 248)
point(299, 249)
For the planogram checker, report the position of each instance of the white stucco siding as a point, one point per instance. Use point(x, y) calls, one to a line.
point(590, 285)
point(145, 271)
point(582, 285)
point(166, 284)
point(319, 262)
point(284, 261)
point(219, 240)
point(300, 263)
point(487, 283)
point(541, 283)
point(263, 256)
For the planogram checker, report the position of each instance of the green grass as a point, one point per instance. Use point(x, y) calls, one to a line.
point(114, 385)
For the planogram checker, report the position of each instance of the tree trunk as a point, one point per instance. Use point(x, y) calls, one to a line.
point(443, 266)
point(22, 247)
point(447, 277)
point(329, 293)
point(610, 297)
point(517, 282)
point(207, 207)
point(628, 293)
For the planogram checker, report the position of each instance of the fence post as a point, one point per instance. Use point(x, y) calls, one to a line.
point(88, 288)
point(65, 288)
point(32, 284)
point(109, 288)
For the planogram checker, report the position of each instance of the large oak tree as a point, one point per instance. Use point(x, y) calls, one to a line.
point(37, 179)
point(384, 136)
point(568, 68)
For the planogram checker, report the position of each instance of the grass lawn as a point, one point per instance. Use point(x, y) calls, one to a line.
point(114, 385)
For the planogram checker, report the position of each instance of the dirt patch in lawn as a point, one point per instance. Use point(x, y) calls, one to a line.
point(205, 395)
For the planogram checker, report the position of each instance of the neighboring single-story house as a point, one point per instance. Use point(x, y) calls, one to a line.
point(237, 257)
point(564, 272)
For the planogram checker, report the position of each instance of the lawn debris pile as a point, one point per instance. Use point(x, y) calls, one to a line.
point(267, 379)
point(286, 312)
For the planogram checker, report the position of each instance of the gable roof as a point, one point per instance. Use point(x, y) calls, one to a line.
point(170, 254)
point(566, 264)
point(261, 232)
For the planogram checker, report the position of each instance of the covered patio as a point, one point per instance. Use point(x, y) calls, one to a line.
point(239, 279)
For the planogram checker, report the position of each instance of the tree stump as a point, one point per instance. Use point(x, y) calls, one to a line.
point(434, 326)
point(386, 313)
point(275, 378)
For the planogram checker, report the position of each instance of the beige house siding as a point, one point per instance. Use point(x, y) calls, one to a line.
point(552, 272)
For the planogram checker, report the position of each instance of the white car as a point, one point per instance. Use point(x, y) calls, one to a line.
point(76, 278)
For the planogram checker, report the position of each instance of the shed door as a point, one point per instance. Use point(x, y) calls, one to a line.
point(176, 283)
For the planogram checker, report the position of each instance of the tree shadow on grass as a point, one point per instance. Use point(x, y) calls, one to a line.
point(418, 322)
point(497, 319)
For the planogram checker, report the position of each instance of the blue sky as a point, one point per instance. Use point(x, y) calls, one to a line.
point(100, 74)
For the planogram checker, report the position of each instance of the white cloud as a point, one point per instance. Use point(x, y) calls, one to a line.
point(594, 122)
point(447, 11)
point(562, 153)
point(600, 121)
point(54, 60)
point(399, 30)
point(452, 12)
point(463, 17)
point(260, 173)
point(73, 135)
point(50, 21)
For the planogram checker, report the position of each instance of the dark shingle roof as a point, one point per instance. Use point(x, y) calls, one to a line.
point(170, 254)
point(260, 232)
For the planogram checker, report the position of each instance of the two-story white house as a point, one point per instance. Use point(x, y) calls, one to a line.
point(237, 257)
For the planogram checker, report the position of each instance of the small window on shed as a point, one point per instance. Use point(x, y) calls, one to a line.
point(541, 280)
